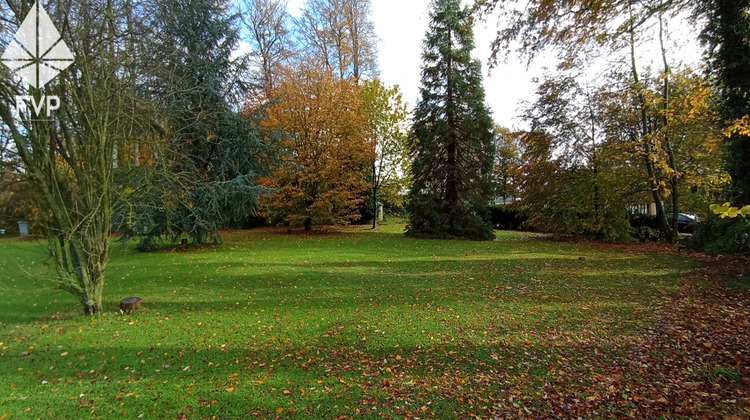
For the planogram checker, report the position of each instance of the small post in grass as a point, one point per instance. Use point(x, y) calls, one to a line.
point(130, 304)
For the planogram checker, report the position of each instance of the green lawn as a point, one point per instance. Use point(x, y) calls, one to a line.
point(354, 322)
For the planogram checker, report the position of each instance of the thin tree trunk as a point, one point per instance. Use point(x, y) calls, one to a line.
point(595, 165)
point(375, 207)
point(656, 195)
point(451, 188)
point(374, 195)
point(674, 178)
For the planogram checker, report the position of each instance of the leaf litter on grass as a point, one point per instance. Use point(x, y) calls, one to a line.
point(320, 327)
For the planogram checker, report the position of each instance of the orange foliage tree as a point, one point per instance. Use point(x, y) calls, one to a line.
point(319, 178)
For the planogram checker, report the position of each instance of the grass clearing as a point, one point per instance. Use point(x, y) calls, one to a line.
point(741, 283)
point(352, 322)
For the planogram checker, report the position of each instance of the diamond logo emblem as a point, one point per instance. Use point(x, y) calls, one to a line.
point(37, 52)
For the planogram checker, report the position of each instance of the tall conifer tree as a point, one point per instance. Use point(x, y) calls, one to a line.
point(203, 175)
point(452, 134)
point(727, 33)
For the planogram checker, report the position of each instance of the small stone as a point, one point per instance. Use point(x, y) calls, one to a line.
point(130, 304)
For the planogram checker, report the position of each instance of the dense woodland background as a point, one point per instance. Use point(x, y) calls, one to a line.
point(165, 131)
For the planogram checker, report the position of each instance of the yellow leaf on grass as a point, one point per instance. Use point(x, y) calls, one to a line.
point(279, 410)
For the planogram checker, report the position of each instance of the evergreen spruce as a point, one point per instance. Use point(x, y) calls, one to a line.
point(203, 177)
point(451, 135)
point(727, 33)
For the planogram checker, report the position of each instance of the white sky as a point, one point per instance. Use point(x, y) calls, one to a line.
point(401, 26)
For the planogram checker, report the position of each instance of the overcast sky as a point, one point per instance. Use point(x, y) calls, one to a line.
point(401, 26)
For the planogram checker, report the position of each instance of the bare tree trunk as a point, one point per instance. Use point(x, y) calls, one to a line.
point(594, 163)
point(374, 194)
point(674, 178)
point(645, 130)
point(451, 187)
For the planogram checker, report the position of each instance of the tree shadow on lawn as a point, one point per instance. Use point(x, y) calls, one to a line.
point(462, 267)
point(402, 284)
point(343, 285)
point(447, 337)
point(451, 345)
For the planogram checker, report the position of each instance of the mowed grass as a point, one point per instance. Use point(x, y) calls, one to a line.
point(354, 322)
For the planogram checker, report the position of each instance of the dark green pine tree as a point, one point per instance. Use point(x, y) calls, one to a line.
point(204, 178)
point(451, 135)
point(727, 33)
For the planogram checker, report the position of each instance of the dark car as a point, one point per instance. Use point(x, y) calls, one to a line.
point(685, 222)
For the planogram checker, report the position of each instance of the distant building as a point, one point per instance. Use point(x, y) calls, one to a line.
point(501, 201)
point(644, 209)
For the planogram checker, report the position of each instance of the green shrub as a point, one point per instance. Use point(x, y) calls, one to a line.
point(645, 227)
point(719, 235)
point(505, 218)
point(741, 283)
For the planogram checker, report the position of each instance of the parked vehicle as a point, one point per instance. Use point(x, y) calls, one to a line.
point(685, 221)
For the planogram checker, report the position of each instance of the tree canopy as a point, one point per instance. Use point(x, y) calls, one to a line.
point(726, 33)
point(452, 134)
point(68, 156)
point(387, 115)
point(319, 178)
point(207, 153)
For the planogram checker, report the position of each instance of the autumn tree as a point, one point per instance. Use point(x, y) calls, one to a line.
point(507, 163)
point(557, 197)
point(569, 113)
point(68, 156)
point(615, 26)
point(592, 165)
point(18, 200)
point(386, 112)
point(571, 183)
point(319, 180)
point(689, 157)
point(693, 156)
point(452, 134)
